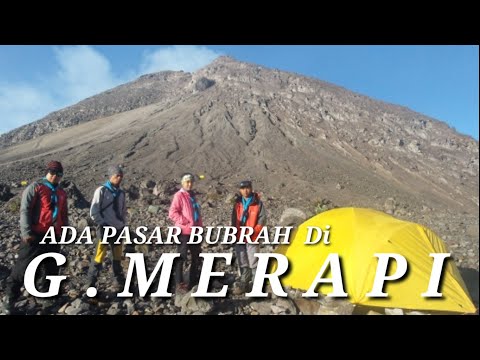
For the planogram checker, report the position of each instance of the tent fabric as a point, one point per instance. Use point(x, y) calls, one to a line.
point(356, 234)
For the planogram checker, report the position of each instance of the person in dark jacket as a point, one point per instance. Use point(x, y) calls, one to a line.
point(44, 204)
point(248, 210)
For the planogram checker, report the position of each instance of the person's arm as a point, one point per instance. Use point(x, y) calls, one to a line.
point(175, 212)
point(261, 221)
point(29, 197)
point(262, 216)
point(95, 208)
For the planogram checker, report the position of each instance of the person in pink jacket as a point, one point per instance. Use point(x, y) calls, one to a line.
point(185, 213)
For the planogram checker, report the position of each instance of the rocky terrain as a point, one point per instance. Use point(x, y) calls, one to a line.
point(306, 144)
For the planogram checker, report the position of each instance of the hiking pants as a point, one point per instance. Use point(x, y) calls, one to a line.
point(195, 250)
point(96, 263)
point(245, 254)
point(26, 253)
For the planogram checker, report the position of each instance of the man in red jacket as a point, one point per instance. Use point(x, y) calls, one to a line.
point(44, 204)
point(248, 210)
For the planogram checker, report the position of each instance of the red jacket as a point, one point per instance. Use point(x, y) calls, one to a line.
point(256, 215)
point(36, 211)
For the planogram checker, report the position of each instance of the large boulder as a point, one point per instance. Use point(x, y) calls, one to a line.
point(203, 84)
point(292, 217)
point(5, 193)
point(75, 195)
point(132, 192)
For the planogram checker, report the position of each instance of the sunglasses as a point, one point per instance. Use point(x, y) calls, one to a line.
point(55, 172)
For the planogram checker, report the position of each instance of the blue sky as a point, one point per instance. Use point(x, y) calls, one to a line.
point(438, 81)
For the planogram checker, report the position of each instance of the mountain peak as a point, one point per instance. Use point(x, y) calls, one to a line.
point(223, 59)
point(231, 113)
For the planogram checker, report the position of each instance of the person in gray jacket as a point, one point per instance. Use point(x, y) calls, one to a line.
point(108, 209)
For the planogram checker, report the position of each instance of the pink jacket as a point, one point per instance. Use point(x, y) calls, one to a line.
point(181, 212)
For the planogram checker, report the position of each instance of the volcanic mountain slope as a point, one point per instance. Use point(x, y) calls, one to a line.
point(147, 89)
point(305, 143)
point(296, 136)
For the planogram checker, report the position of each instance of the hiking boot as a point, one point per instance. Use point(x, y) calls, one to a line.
point(181, 289)
point(118, 283)
point(91, 282)
point(93, 273)
point(119, 278)
point(239, 288)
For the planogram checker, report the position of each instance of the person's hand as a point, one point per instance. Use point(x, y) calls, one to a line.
point(28, 239)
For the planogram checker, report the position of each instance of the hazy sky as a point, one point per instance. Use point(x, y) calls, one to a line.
point(438, 81)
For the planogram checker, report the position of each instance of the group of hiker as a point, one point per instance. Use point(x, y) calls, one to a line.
point(44, 204)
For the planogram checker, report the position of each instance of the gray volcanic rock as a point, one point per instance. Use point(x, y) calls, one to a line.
point(203, 84)
point(5, 193)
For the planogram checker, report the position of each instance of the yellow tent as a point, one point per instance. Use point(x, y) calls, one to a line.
point(356, 235)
